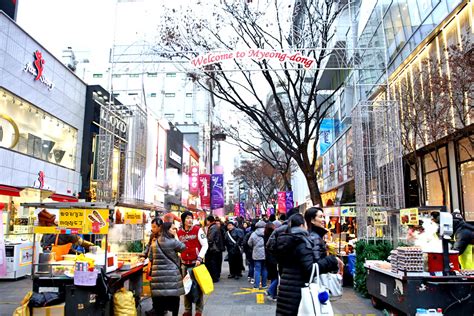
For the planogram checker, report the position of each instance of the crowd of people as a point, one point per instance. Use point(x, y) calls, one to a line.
point(278, 256)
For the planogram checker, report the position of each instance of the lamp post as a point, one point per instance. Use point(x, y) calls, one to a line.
point(217, 137)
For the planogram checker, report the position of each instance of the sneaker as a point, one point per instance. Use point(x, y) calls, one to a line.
point(252, 281)
point(249, 278)
point(264, 287)
point(273, 299)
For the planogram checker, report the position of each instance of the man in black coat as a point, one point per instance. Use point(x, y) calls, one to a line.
point(464, 240)
point(233, 241)
point(216, 247)
point(271, 245)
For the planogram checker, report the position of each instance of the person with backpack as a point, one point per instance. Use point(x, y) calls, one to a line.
point(248, 253)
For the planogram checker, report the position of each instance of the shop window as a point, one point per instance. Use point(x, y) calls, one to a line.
point(170, 95)
point(430, 164)
point(152, 74)
point(189, 95)
point(40, 135)
point(97, 75)
point(171, 74)
point(433, 181)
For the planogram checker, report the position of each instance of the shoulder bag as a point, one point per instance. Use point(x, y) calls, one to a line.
point(315, 297)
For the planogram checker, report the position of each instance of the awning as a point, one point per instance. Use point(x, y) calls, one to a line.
point(63, 198)
point(9, 190)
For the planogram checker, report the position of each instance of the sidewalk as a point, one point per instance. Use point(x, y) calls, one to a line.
point(222, 302)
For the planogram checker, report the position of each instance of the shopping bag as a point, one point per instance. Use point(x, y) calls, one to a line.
point(60, 250)
point(23, 309)
point(333, 283)
point(124, 303)
point(203, 278)
point(187, 283)
point(315, 297)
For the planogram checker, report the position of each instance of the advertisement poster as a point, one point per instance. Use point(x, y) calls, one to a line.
point(193, 180)
point(217, 191)
point(205, 190)
point(73, 221)
point(282, 202)
point(3, 261)
point(348, 211)
point(26, 256)
point(325, 135)
point(380, 218)
point(409, 216)
point(289, 203)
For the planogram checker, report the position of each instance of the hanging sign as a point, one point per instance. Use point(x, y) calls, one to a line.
point(78, 221)
point(380, 218)
point(133, 217)
point(409, 216)
point(282, 202)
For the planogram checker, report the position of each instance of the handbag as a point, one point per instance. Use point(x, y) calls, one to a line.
point(204, 279)
point(315, 297)
point(60, 250)
point(333, 283)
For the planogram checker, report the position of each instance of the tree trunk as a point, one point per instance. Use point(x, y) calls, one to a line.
point(314, 192)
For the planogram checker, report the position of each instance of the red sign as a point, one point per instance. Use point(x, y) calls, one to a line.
point(193, 180)
point(282, 202)
point(36, 69)
point(236, 209)
point(205, 190)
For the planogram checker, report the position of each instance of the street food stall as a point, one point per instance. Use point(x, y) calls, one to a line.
point(424, 275)
point(84, 282)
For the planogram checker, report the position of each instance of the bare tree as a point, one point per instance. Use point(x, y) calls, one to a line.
point(296, 49)
point(260, 177)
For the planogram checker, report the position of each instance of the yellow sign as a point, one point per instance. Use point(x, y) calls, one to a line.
point(133, 217)
point(348, 211)
point(380, 218)
point(409, 216)
point(78, 221)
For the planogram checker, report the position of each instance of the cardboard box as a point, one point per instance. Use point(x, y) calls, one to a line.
point(55, 310)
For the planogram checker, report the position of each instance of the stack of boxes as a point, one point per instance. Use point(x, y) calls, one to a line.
point(409, 259)
point(393, 260)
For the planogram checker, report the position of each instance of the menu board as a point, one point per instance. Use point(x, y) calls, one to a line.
point(409, 216)
point(72, 221)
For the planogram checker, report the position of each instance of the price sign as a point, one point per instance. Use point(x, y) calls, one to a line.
point(71, 218)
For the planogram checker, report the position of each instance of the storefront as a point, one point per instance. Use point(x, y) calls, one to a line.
point(41, 115)
point(174, 167)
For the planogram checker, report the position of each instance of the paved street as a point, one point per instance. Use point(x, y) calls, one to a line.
point(222, 302)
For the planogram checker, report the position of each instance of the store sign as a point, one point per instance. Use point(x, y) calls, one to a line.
point(36, 69)
point(133, 217)
point(409, 216)
point(113, 122)
point(380, 218)
point(193, 180)
point(174, 156)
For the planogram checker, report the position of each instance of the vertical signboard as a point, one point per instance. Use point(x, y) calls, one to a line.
point(237, 209)
point(3, 259)
point(289, 200)
point(325, 135)
point(205, 190)
point(282, 202)
point(193, 181)
point(217, 191)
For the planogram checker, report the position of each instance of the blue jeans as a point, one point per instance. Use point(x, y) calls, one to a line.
point(260, 269)
point(272, 290)
point(251, 268)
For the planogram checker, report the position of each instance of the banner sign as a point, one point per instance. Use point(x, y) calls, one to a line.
point(205, 190)
point(348, 211)
point(409, 216)
point(255, 54)
point(242, 211)
point(289, 200)
point(78, 221)
point(237, 209)
point(325, 135)
point(193, 180)
point(282, 202)
point(133, 217)
point(217, 191)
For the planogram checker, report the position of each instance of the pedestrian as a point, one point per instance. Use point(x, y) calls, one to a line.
point(248, 253)
point(215, 241)
point(271, 263)
point(272, 241)
point(257, 243)
point(233, 242)
point(295, 250)
point(315, 222)
point(166, 279)
point(196, 247)
point(464, 240)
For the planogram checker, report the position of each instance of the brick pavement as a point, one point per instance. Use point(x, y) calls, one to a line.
point(222, 302)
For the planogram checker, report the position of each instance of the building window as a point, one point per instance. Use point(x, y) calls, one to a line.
point(152, 74)
point(169, 116)
point(116, 76)
point(466, 176)
point(97, 76)
point(431, 175)
point(170, 95)
point(188, 115)
point(170, 74)
point(116, 94)
point(189, 95)
point(134, 75)
point(153, 95)
point(36, 133)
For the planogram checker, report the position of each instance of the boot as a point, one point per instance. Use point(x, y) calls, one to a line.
point(187, 314)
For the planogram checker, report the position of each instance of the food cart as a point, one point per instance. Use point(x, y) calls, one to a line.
point(425, 274)
point(84, 291)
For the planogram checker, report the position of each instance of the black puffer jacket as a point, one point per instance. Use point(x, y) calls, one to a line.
point(463, 235)
point(166, 279)
point(319, 249)
point(295, 267)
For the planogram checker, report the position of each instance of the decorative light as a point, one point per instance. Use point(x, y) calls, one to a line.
point(29, 110)
point(21, 104)
point(37, 113)
point(4, 94)
point(13, 100)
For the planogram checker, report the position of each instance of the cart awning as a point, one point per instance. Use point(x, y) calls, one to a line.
point(63, 198)
point(10, 190)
